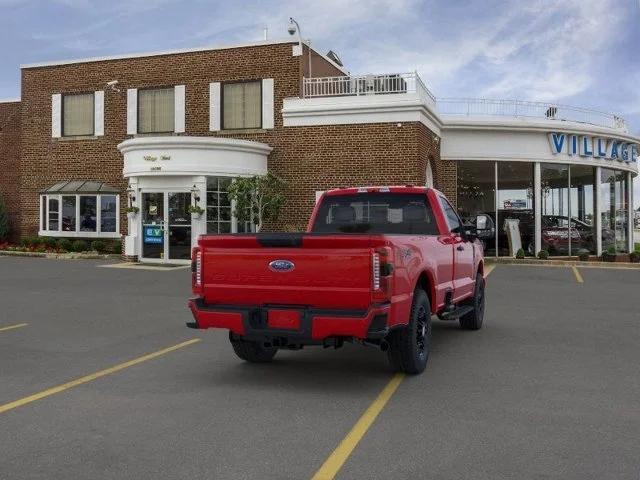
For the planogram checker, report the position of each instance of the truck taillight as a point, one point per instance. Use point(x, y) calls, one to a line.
point(375, 265)
point(381, 273)
point(196, 267)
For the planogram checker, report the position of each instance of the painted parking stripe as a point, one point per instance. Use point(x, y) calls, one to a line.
point(79, 381)
point(488, 269)
point(334, 463)
point(11, 327)
point(577, 274)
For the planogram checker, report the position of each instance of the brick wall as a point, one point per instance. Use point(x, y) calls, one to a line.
point(9, 161)
point(45, 161)
point(308, 158)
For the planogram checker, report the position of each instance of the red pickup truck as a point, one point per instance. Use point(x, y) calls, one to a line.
point(373, 267)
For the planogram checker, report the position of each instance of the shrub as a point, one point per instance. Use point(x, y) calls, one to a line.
point(583, 255)
point(4, 220)
point(520, 254)
point(30, 242)
point(48, 242)
point(98, 245)
point(79, 246)
point(65, 244)
point(634, 257)
point(116, 247)
point(543, 254)
point(611, 250)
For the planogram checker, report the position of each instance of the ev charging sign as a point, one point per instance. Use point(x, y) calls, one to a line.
point(595, 147)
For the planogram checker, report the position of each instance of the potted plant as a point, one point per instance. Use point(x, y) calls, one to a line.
point(132, 211)
point(583, 255)
point(543, 255)
point(196, 211)
point(610, 255)
point(520, 254)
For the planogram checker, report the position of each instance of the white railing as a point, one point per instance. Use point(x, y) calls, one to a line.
point(524, 109)
point(366, 85)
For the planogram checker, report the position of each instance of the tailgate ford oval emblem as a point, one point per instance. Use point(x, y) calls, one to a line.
point(281, 266)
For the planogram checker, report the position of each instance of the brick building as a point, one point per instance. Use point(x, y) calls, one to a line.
point(163, 131)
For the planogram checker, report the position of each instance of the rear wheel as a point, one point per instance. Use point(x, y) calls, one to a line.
point(409, 346)
point(473, 319)
point(253, 352)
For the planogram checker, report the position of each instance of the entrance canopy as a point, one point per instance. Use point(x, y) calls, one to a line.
point(80, 186)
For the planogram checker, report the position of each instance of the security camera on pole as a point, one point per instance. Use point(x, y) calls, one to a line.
point(294, 28)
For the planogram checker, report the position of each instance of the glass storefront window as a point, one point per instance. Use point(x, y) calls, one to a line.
point(515, 206)
point(477, 194)
point(568, 199)
point(554, 195)
point(614, 210)
point(582, 209)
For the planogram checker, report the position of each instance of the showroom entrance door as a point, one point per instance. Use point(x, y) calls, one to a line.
point(166, 227)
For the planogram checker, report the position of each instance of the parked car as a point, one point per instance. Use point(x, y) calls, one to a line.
point(375, 264)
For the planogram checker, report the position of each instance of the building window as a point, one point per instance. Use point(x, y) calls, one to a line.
point(218, 205)
point(156, 110)
point(242, 105)
point(68, 213)
point(88, 214)
point(477, 195)
point(78, 215)
point(614, 208)
point(78, 115)
point(108, 213)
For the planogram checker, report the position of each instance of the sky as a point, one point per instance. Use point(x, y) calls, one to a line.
point(577, 52)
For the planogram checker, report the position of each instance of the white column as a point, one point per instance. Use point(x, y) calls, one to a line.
point(131, 240)
point(598, 214)
point(537, 206)
point(199, 225)
point(630, 210)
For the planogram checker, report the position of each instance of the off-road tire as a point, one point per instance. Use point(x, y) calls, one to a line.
point(252, 351)
point(409, 346)
point(473, 319)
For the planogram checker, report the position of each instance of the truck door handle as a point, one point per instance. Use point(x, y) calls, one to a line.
point(460, 248)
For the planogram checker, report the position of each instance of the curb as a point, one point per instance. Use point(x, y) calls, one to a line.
point(561, 263)
point(61, 256)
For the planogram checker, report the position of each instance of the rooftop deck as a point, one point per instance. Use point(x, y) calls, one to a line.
point(399, 83)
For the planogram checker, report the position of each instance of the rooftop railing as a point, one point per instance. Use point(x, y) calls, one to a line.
point(523, 109)
point(398, 83)
point(366, 85)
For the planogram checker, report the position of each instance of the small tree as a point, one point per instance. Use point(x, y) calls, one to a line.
point(4, 220)
point(257, 199)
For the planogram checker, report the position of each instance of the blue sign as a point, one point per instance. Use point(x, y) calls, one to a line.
point(153, 235)
point(590, 146)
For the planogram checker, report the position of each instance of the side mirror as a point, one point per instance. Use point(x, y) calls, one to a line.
point(485, 227)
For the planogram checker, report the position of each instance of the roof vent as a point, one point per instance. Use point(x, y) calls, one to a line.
point(334, 57)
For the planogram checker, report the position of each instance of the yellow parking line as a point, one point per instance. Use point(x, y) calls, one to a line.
point(334, 463)
point(488, 269)
point(577, 274)
point(11, 327)
point(93, 376)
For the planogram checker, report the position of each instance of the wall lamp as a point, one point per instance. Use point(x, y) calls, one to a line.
point(132, 194)
point(196, 193)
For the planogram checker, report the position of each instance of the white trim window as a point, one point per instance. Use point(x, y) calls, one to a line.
point(156, 110)
point(77, 114)
point(80, 215)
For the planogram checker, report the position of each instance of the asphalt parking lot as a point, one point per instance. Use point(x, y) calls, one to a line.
point(549, 388)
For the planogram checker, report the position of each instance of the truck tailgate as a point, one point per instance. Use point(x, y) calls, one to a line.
point(331, 271)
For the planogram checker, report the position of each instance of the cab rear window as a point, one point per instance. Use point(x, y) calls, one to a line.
point(374, 212)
